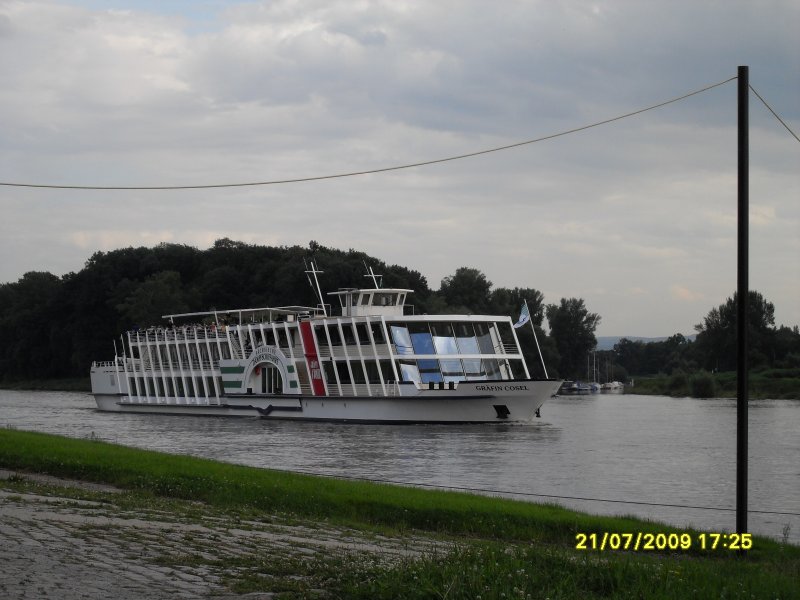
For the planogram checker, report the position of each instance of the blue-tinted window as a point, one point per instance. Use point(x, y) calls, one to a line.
point(421, 338)
point(429, 371)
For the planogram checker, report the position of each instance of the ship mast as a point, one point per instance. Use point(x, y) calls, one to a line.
point(315, 284)
point(371, 273)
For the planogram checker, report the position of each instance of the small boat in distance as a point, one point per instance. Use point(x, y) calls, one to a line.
point(612, 387)
point(371, 362)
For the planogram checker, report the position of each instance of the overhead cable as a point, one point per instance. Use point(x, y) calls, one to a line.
point(371, 171)
point(774, 113)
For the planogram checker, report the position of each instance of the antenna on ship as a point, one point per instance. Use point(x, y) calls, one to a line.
point(371, 273)
point(315, 284)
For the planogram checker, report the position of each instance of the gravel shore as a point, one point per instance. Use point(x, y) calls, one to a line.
point(55, 545)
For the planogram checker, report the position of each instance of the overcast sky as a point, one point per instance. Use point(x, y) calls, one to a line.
point(637, 217)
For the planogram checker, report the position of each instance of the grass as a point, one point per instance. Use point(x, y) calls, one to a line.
point(502, 548)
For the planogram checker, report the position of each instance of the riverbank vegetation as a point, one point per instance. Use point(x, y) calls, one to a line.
point(485, 547)
point(774, 384)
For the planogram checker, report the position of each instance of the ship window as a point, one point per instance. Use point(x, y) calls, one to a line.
point(465, 336)
point(484, 338)
point(421, 338)
point(361, 333)
point(506, 334)
point(373, 375)
point(383, 299)
point(365, 299)
point(377, 333)
point(402, 340)
point(473, 369)
point(280, 338)
point(429, 370)
point(336, 339)
point(443, 338)
point(409, 371)
point(347, 330)
point(341, 369)
point(452, 370)
point(358, 372)
point(387, 371)
point(327, 368)
point(515, 366)
point(492, 368)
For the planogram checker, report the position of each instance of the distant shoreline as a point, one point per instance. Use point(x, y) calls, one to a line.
point(70, 384)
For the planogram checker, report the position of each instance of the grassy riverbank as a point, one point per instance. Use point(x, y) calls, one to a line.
point(775, 384)
point(495, 548)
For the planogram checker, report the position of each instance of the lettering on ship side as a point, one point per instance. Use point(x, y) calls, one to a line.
point(502, 388)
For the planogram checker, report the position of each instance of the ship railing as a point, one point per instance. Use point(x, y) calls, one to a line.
point(103, 363)
point(180, 334)
point(188, 365)
point(363, 389)
point(510, 349)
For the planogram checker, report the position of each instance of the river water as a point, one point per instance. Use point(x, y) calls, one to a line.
point(636, 449)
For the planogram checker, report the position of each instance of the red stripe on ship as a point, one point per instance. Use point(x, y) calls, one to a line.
point(312, 360)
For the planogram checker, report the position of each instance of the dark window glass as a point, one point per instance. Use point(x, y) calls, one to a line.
point(336, 339)
point(341, 369)
point(361, 331)
point(377, 333)
point(349, 338)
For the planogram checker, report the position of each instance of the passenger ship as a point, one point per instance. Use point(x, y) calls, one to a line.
point(373, 362)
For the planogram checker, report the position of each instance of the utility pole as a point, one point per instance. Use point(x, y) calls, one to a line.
point(743, 296)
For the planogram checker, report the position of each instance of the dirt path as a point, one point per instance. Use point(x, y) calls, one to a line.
point(54, 546)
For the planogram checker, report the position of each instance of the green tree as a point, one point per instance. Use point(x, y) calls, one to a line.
point(158, 295)
point(468, 289)
point(716, 337)
point(572, 328)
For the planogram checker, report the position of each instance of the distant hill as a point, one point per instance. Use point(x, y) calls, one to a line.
point(607, 342)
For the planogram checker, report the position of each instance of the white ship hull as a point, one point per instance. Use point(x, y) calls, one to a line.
point(472, 402)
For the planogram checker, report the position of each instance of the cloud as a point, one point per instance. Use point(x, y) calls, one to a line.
point(149, 94)
point(684, 294)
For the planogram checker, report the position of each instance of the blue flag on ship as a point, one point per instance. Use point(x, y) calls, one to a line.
point(524, 316)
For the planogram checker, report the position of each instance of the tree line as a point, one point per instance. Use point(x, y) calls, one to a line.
point(714, 347)
point(54, 327)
